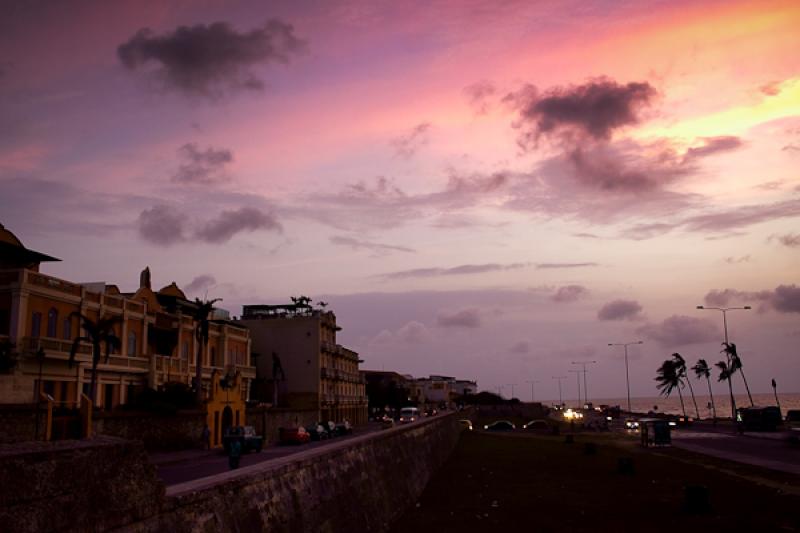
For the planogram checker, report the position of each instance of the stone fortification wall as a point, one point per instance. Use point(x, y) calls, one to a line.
point(90, 485)
point(361, 484)
point(267, 420)
point(158, 432)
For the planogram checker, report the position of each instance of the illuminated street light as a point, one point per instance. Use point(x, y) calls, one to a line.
point(627, 377)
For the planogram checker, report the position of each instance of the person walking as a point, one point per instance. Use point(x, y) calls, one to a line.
point(205, 438)
point(234, 454)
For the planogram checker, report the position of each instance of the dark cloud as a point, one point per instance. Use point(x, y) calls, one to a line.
point(200, 283)
point(713, 145)
point(202, 167)
point(783, 299)
point(726, 297)
point(790, 148)
point(735, 260)
point(679, 330)
point(231, 222)
point(541, 266)
point(407, 145)
point(454, 271)
point(478, 95)
point(465, 318)
point(620, 310)
point(569, 293)
point(592, 110)
point(377, 248)
point(786, 299)
point(162, 225)
point(742, 216)
point(586, 236)
point(790, 239)
point(211, 59)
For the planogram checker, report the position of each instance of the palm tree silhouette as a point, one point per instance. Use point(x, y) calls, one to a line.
point(701, 370)
point(97, 333)
point(735, 362)
point(669, 379)
point(726, 374)
point(202, 315)
point(680, 365)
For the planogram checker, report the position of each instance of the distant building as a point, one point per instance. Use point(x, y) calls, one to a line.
point(387, 391)
point(156, 330)
point(443, 390)
point(300, 364)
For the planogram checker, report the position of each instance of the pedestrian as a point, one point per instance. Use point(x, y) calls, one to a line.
point(205, 438)
point(234, 454)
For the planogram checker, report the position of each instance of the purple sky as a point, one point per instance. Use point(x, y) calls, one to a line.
point(479, 188)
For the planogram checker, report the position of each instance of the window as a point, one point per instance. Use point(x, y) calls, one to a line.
point(66, 332)
point(52, 322)
point(213, 356)
point(132, 344)
point(185, 351)
point(36, 324)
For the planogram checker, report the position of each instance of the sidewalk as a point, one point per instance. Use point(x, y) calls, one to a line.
point(180, 456)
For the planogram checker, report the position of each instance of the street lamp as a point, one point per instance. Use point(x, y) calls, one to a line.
point(585, 388)
point(40, 355)
point(533, 396)
point(560, 400)
point(578, 381)
point(512, 389)
point(627, 376)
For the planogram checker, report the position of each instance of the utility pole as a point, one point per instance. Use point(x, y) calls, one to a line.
point(578, 381)
point(533, 396)
point(560, 400)
point(585, 389)
point(627, 376)
point(512, 389)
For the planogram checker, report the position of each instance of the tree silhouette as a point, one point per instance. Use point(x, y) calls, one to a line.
point(680, 365)
point(669, 379)
point(735, 362)
point(701, 370)
point(726, 374)
point(202, 317)
point(97, 333)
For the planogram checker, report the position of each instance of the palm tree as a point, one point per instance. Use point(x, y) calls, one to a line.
point(202, 314)
point(680, 364)
point(669, 379)
point(701, 370)
point(726, 374)
point(97, 333)
point(736, 363)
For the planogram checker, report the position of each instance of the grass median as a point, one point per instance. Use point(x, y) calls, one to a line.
point(541, 483)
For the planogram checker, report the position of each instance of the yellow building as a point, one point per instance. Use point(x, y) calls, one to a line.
point(299, 358)
point(156, 330)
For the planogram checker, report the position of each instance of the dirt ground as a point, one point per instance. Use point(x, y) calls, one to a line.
point(517, 482)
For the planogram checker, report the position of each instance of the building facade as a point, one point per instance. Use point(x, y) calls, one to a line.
point(156, 329)
point(301, 364)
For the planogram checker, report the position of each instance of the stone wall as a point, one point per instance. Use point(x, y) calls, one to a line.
point(267, 420)
point(361, 484)
point(90, 485)
point(158, 432)
point(18, 422)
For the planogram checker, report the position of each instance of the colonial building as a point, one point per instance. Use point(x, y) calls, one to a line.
point(302, 365)
point(156, 328)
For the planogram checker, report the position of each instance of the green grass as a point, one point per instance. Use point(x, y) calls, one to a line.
point(531, 483)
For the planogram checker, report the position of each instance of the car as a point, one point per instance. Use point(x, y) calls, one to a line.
point(631, 423)
point(409, 414)
point(247, 437)
point(534, 425)
point(297, 435)
point(466, 423)
point(317, 432)
point(387, 422)
point(500, 425)
point(793, 419)
point(344, 428)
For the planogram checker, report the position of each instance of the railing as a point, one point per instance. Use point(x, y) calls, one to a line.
point(113, 301)
point(51, 345)
point(171, 365)
point(134, 306)
point(34, 278)
point(138, 363)
point(93, 297)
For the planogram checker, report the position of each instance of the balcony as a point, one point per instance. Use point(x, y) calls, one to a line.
point(171, 365)
point(41, 280)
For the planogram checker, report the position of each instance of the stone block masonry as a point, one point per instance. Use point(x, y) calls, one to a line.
point(362, 484)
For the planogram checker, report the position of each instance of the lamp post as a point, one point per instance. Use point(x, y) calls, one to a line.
point(533, 396)
point(560, 400)
point(585, 388)
point(40, 355)
point(578, 382)
point(627, 376)
point(724, 311)
point(512, 389)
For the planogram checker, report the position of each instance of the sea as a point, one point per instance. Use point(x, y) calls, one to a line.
point(672, 404)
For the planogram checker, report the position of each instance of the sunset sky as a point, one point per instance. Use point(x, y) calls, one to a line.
point(483, 189)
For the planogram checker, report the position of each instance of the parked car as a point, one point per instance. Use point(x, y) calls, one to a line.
point(317, 432)
point(344, 428)
point(793, 419)
point(246, 435)
point(387, 422)
point(500, 425)
point(631, 423)
point(297, 435)
point(466, 423)
point(759, 418)
point(408, 414)
point(536, 425)
point(330, 427)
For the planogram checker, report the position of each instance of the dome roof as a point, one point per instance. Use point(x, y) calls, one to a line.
point(9, 238)
point(172, 290)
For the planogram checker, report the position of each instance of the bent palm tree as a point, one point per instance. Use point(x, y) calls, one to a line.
point(726, 374)
point(701, 370)
point(97, 333)
point(680, 364)
point(735, 363)
point(669, 379)
point(202, 315)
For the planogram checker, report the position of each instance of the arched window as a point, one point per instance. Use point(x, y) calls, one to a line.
point(36, 324)
point(52, 322)
point(132, 344)
point(185, 351)
point(66, 332)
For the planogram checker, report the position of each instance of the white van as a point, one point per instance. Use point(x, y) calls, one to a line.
point(408, 414)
